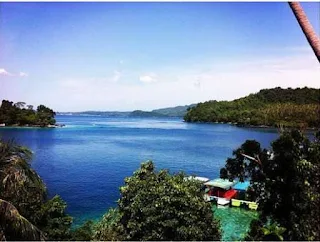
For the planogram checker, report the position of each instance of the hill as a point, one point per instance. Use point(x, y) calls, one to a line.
point(270, 107)
point(178, 111)
point(140, 113)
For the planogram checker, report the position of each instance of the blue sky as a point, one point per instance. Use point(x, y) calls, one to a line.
point(127, 56)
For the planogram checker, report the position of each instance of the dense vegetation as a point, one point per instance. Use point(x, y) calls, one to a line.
point(285, 182)
point(178, 111)
point(270, 107)
point(140, 113)
point(25, 211)
point(159, 206)
point(19, 114)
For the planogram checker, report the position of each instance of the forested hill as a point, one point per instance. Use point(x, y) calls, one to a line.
point(270, 107)
point(178, 111)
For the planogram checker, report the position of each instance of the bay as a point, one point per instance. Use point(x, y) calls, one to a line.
point(86, 161)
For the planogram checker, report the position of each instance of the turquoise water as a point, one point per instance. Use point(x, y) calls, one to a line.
point(235, 222)
point(87, 161)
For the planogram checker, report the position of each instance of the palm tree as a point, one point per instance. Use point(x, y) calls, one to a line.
point(13, 226)
point(306, 27)
point(21, 193)
point(273, 232)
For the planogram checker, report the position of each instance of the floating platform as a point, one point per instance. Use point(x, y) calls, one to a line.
point(239, 203)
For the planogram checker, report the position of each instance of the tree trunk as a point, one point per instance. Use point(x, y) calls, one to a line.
point(306, 27)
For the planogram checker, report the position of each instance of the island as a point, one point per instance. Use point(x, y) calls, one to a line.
point(21, 115)
point(178, 112)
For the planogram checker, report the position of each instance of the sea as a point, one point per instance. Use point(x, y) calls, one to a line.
point(86, 161)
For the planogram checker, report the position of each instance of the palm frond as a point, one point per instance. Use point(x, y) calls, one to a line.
point(14, 226)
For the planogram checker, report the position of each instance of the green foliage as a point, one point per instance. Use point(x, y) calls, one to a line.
point(85, 232)
point(53, 220)
point(178, 111)
point(17, 114)
point(20, 184)
point(23, 196)
point(285, 184)
point(271, 107)
point(159, 206)
point(266, 232)
point(13, 226)
point(224, 173)
point(243, 168)
point(273, 232)
point(140, 113)
point(109, 228)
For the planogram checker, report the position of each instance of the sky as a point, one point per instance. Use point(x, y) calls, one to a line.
point(117, 56)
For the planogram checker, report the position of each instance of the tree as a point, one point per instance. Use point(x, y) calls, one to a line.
point(19, 184)
point(159, 206)
point(13, 226)
point(53, 220)
point(224, 173)
point(84, 232)
point(109, 228)
point(24, 212)
point(285, 184)
point(243, 168)
point(45, 115)
point(20, 105)
point(306, 27)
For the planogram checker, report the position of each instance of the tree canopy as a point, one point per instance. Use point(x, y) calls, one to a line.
point(19, 114)
point(271, 107)
point(160, 206)
point(285, 183)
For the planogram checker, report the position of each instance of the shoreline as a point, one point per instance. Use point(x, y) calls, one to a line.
point(33, 126)
point(249, 125)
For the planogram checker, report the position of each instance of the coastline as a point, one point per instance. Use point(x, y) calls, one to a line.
point(261, 126)
point(33, 126)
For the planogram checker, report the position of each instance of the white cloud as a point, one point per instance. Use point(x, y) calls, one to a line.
point(3, 72)
point(148, 78)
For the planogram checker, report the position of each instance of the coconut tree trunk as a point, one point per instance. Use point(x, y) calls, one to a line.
point(306, 27)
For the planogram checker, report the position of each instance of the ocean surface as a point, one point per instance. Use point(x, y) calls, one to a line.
point(86, 161)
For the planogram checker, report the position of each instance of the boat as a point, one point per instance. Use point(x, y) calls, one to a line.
point(198, 178)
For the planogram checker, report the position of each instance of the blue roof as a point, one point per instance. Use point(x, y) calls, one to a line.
point(242, 186)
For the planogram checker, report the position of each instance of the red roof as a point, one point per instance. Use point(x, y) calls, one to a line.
point(231, 193)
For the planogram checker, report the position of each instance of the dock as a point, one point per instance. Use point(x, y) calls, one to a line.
point(240, 203)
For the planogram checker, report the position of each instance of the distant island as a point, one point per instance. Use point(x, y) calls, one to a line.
point(178, 111)
point(20, 114)
point(275, 107)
